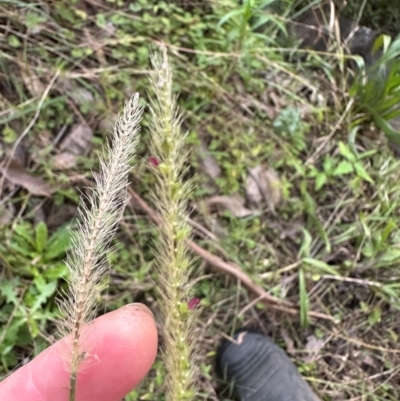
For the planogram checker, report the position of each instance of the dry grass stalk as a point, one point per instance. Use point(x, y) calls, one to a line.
point(91, 241)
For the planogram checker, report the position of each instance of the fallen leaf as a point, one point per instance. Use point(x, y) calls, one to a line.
point(290, 349)
point(32, 81)
point(77, 142)
point(17, 175)
point(208, 161)
point(235, 204)
point(64, 160)
point(106, 125)
point(370, 361)
point(6, 214)
point(263, 187)
point(313, 346)
point(81, 96)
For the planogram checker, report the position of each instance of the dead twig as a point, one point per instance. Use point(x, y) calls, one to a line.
point(220, 266)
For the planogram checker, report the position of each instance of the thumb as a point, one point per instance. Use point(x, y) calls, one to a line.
point(122, 346)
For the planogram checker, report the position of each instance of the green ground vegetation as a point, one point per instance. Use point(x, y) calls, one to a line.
point(327, 237)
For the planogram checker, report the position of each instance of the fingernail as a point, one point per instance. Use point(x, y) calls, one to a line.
point(140, 307)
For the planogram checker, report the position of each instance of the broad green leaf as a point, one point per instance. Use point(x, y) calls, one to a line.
point(11, 335)
point(7, 289)
point(390, 256)
point(14, 41)
point(22, 250)
point(25, 231)
point(33, 19)
point(320, 181)
point(362, 173)
point(41, 236)
point(58, 244)
point(56, 271)
point(46, 290)
point(343, 168)
point(346, 152)
point(375, 316)
point(328, 164)
point(381, 42)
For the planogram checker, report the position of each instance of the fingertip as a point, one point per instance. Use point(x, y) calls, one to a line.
point(121, 347)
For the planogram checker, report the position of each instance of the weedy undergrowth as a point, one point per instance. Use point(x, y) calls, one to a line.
point(90, 243)
point(170, 197)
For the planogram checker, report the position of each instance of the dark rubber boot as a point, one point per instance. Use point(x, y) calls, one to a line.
point(260, 370)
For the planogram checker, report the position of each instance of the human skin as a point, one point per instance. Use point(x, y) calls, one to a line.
point(121, 348)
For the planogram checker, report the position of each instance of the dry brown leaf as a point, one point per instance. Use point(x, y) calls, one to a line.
point(78, 141)
point(313, 346)
point(209, 163)
point(64, 160)
point(6, 214)
point(233, 203)
point(32, 82)
point(81, 96)
point(106, 125)
point(263, 187)
point(290, 348)
point(17, 175)
point(77, 93)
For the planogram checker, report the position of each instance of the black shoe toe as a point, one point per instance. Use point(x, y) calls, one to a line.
point(260, 370)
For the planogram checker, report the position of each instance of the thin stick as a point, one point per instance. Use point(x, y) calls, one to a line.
point(220, 266)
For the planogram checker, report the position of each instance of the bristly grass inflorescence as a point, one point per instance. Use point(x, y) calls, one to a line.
point(91, 241)
point(174, 263)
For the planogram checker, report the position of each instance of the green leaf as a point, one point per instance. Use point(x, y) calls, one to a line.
point(306, 244)
point(58, 244)
point(390, 256)
point(390, 227)
point(41, 236)
point(304, 301)
point(386, 127)
point(346, 152)
point(9, 135)
point(320, 181)
point(14, 41)
point(56, 271)
point(229, 16)
point(343, 168)
point(22, 250)
point(375, 316)
point(382, 41)
point(46, 290)
point(362, 173)
point(328, 165)
point(25, 231)
point(311, 209)
point(33, 19)
point(7, 289)
point(321, 266)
